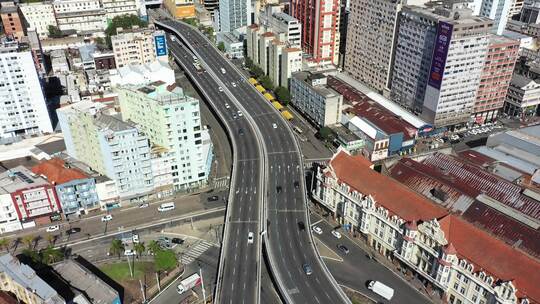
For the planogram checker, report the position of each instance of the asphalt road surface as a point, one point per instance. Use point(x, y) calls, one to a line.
point(241, 257)
point(356, 269)
point(288, 247)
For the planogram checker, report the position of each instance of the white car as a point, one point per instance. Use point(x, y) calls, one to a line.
point(250, 237)
point(106, 218)
point(274, 126)
point(240, 114)
point(233, 84)
point(317, 229)
point(143, 205)
point(336, 234)
point(129, 252)
point(220, 89)
point(227, 106)
point(52, 228)
point(135, 238)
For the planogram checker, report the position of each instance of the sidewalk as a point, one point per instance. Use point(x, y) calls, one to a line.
point(396, 269)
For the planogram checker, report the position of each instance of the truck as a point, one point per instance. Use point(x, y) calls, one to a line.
point(188, 283)
point(381, 289)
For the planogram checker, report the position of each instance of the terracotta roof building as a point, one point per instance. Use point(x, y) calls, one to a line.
point(76, 190)
point(459, 260)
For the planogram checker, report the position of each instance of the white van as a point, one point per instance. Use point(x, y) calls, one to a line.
point(381, 289)
point(166, 207)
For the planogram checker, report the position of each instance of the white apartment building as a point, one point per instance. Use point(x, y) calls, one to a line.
point(136, 46)
point(285, 27)
point(39, 16)
point(439, 56)
point(174, 126)
point(311, 96)
point(115, 8)
point(455, 258)
point(496, 10)
point(82, 16)
point(110, 146)
point(234, 14)
point(23, 110)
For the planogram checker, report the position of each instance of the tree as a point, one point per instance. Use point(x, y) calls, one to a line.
point(249, 63)
point(221, 46)
point(28, 240)
point(191, 21)
point(266, 82)
point(326, 133)
point(124, 21)
point(54, 32)
point(4, 243)
point(32, 254)
point(116, 248)
point(283, 95)
point(139, 249)
point(257, 71)
point(51, 239)
point(51, 255)
point(154, 247)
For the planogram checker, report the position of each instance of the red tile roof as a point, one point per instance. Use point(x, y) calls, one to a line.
point(475, 180)
point(56, 172)
point(422, 179)
point(493, 256)
point(388, 193)
point(365, 107)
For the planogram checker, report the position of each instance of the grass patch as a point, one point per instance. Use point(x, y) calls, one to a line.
point(165, 260)
point(120, 271)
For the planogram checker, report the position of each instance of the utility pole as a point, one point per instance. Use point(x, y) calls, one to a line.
point(142, 291)
point(202, 283)
point(129, 265)
point(157, 280)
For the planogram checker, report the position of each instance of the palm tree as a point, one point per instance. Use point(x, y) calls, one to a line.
point(51, 255)
point(4, 243)
point(51, 239)
point(139, 248)
point(154, 247)
point(28, 240)
point(116, 248)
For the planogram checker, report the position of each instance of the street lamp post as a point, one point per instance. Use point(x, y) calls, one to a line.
point(202, 283)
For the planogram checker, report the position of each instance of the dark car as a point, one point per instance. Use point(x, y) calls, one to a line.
point(177, 241)
point(73, 230)
point(343, 248)
point(307, 269)
point(296, 184)
point(278, 189)
point(241, 131)
point(301, 226)
point(213, 198)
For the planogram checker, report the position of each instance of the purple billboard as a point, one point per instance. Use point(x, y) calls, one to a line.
point(442, 43)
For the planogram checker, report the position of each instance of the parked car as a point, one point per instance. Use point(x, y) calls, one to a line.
point(213, 198)
point(343, 248)
point(143, 205)
point(73, 230)
point(129, 252)
point(336, 234)
point(106, 218)
point(307, 269)
point(301, 226)
point(250, 237)
point(317, 229)
point(178, 241)
point(53, 228)
point(135, 238)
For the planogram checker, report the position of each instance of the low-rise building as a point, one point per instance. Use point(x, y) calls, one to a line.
point(82, 16)
point(523, 97)
point(23, 282)
point(138, 46)
point(12, 21)
point(311, 96)
point(141, 74)
point(453, 257)
point(180, 9)
point(234, 47)
point(39, 16)
point(115, 8)
point(75, 190)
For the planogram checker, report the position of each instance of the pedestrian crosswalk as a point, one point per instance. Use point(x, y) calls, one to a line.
point(221, 183)
point(195, 251)
point(309, 164)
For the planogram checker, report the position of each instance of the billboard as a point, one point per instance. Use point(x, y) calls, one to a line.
point(161, 45)
point(438, 61)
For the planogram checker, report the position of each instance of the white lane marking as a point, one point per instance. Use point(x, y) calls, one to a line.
point(316, 222)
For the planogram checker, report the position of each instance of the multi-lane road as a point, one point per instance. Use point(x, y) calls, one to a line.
point(265, 151)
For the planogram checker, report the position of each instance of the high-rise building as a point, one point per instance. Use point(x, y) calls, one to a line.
point(439, 56)
point(82, 16)
point(110, 146)
point(497, 10)
point(39, 16)
point(138, 46)
point(173, 125)
point(115, 8)
point(320, 29)
point(23, 110)
point(11, 20)
point(495, 78)
point(234, 14)
point(284, 26)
